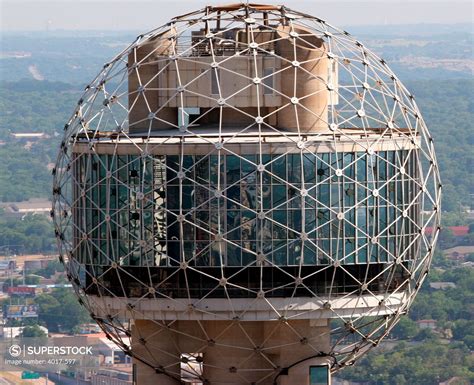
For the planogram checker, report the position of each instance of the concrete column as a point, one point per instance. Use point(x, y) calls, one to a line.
point(233, 358)
point(306, 80)
point(296, 340)
point(156, 345)
point(234, 352)
point(151, 59)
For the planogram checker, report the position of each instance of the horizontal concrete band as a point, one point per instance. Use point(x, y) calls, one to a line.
point(260, 309)
point(268, 144)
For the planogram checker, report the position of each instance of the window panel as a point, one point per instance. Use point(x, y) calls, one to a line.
point(152, 217)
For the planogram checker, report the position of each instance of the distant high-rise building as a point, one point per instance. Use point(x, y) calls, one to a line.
point(241, 197)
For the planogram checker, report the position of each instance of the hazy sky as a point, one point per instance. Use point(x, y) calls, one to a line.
point(18, 15)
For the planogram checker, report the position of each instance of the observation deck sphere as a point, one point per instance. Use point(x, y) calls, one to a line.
point(247, 163)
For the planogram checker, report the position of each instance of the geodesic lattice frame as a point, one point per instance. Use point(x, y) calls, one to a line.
point(369, 96)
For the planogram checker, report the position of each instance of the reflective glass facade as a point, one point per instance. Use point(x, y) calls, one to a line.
point(226, 210)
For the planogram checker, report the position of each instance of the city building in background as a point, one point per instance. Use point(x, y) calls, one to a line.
point(242, 197)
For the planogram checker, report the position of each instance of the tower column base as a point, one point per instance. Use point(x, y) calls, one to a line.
point(229, 352)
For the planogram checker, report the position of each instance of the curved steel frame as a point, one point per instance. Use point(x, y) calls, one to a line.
point(374, 111)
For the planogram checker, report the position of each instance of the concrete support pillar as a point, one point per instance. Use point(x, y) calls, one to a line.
point(234, 352)
point(233, 356)
point(149, 59)
point(304, 76)
point(156, 345)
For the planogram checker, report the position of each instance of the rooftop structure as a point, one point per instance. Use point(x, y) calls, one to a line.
point(442, 285)
point(32, 206)
point(243, 193)
point(458, 231)
point(28, 135)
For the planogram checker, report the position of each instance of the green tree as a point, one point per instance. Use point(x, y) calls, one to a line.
point(33, 331)
point(60, 311)
point(405, 329)
point(48, 305)
point(32, 279)
point(423, 364)
point(30, 234)
point(424, 334)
